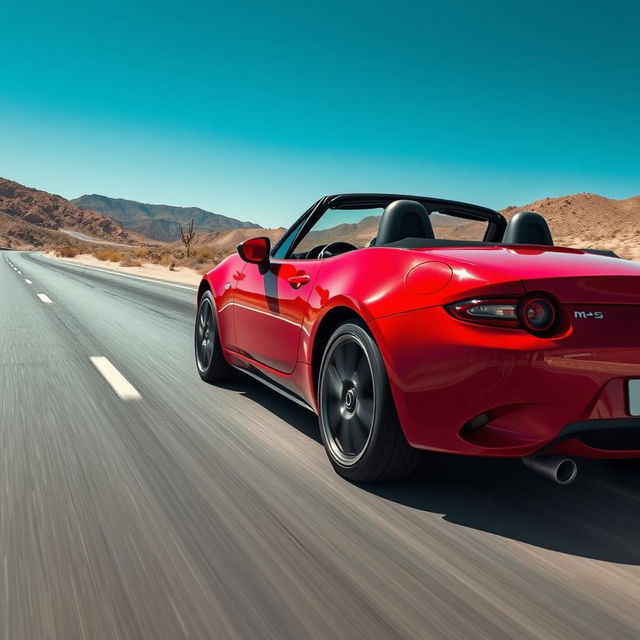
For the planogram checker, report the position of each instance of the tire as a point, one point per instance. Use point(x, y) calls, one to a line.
point(359, 424)
point(210, 360)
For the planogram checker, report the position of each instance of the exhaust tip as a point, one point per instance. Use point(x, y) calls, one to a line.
point(566, 471)
point(561, 470)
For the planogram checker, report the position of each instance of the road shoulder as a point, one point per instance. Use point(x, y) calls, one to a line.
point(181, 275)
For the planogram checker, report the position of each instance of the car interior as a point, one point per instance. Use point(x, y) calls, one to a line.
point(407, 224)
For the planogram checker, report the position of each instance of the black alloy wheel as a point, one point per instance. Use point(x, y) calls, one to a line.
point(358, 421)
point(212, 365)
point(348, 401)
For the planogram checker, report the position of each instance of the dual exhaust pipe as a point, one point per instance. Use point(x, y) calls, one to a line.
point(557, 468)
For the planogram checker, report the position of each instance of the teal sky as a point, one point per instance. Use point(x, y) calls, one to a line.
point(256, 109)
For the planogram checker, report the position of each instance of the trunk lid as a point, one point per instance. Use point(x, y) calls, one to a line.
point(571, 275)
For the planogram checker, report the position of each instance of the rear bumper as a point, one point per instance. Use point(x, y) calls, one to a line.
point(611, 438)
point(497, 392)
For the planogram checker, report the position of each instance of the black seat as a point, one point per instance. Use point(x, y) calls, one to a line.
point(403, 219)
point(527, 227)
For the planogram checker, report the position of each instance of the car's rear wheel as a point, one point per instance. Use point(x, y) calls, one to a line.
point(358, 420)
point(212, 366)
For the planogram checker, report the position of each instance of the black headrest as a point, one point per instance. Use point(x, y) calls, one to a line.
point(527, 227)
point(403, 219)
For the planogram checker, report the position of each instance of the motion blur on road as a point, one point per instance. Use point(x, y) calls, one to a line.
point(138, 502)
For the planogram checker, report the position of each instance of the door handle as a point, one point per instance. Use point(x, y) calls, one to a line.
point(299, 279)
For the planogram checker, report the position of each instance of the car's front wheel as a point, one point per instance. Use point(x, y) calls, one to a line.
point(358, 420)
point(212, 366)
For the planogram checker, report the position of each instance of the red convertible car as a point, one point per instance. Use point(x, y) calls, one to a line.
point(409, 323)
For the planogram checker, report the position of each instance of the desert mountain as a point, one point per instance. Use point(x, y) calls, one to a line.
point(158, 221)
point(32, 218)
point(590, 221)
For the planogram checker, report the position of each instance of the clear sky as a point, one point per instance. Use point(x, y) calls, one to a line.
point(255, 109)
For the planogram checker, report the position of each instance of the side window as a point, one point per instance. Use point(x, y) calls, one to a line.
point(355, 226)
point(283, 249)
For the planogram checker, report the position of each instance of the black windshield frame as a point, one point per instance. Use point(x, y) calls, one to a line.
point(496, 222)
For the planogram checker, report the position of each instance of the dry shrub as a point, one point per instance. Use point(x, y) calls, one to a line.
point(108, 255)
point(67, 252)
point(203, 255)
point(202, 259)
point(129, 262)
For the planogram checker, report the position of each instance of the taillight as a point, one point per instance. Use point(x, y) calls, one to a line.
point(503, 313)
point(536, 313)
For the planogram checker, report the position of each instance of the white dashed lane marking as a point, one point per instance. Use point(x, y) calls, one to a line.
point(20, 272)
point(118, 382)
point(45, 298)
point(28, 281)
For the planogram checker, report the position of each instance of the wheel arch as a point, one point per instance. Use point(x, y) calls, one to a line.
point(328, 324)
point(394, 457)
point(204, 286)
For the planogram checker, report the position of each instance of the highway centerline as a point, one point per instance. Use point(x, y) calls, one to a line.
point(45, 298)
point(123, 388)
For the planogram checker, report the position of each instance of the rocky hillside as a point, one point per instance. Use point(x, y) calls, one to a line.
point(17, 234)
point(158, 221)
point(32, 218)
point(586, 220)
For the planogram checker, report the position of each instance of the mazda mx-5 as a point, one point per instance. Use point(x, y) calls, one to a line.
point(412, 323)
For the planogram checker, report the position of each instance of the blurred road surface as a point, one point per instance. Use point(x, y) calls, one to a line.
point(138, 502)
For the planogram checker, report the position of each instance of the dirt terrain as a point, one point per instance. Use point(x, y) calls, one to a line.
point(590, 221)
point(32, 218)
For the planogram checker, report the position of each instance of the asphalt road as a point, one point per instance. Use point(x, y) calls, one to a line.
point(181, 510)
point(85, 238)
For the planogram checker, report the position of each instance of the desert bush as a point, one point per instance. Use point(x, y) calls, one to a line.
point(108, 255)
point(203, 255)
point(67, 252)
point(129, 262)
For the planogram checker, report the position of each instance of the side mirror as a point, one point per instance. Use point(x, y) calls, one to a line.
point(255, 250)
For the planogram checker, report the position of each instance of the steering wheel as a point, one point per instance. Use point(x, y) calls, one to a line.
point(313, 254)
point(334, 248)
